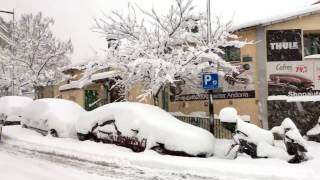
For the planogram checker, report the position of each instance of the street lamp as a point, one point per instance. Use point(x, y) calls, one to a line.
point(11, 44)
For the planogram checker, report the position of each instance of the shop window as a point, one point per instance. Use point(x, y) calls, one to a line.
point(231, 54)
point(311, 44)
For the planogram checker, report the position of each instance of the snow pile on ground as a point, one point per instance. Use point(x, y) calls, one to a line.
point(151, 123)
point(58, 114)
point(13, 106)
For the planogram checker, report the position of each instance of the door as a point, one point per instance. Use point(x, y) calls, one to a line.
point(90, 100)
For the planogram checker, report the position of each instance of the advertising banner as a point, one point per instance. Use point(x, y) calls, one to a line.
point(233, 85)
point(284, 45)
point(293, 78)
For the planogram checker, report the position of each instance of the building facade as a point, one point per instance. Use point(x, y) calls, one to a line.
point(287, 52)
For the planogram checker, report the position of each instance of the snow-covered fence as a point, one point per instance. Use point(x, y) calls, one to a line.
point(204, 122)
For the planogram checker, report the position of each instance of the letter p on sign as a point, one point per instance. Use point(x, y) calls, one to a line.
point(210, 81)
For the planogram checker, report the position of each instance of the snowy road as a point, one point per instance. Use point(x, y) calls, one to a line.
point(25, 154)
point(22, 163)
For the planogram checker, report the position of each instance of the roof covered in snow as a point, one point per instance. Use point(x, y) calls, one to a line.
point(306, 11)
point(105, 75)
point(314, 56)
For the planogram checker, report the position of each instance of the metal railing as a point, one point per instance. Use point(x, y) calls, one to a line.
point(204, 122)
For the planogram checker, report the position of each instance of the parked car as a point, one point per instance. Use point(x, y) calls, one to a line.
point(142, 126)
point(11, 108)
point(56, 117)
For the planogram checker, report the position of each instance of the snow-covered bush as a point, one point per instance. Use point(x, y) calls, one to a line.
point(37, 54)
point(56, 116)
point(13, 107)
point(151, 123)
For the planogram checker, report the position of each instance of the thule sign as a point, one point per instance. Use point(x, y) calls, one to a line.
point(284, 45)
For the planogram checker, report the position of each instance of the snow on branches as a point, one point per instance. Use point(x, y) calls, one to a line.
point(36, 53)
point(161, 49)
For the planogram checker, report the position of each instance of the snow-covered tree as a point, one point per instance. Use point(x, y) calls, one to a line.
point(163, 49)
point(37, 53)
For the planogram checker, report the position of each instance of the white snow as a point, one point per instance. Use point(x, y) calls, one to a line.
point(301, 97)
point(153, 123)
point(315, 130)
point(267, 150)
point(13, 106)
point(280, 18)
point(76, 84)
point(311, 57)
point(254, 133)
point(58, 114)
point(242, 168)
point(289, 129)
point(228, 114)
point(105, 75)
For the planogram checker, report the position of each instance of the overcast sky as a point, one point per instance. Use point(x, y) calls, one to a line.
point(74, 18)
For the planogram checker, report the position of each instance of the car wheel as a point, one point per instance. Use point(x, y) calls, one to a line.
point(53, 133)
point(24, 126)
point(83, 137)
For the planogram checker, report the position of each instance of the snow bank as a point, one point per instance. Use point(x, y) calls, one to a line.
point(58, 114)
point(13, 106)
point(152, 123)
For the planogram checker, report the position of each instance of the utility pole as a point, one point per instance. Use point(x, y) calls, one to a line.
point(208, 21)
point(210, 92)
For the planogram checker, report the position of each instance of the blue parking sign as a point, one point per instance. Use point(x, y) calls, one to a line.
point(210, 81)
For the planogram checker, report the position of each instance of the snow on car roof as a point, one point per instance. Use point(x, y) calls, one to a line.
point(13, 104)
point(309, 10)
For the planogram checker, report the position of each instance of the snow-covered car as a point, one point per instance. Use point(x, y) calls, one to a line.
point(54, 116)
point(11, 108)
point(141, 126)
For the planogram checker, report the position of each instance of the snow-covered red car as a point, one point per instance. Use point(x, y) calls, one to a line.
point(141, 126)
point(56, 117)
point(11, 108)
